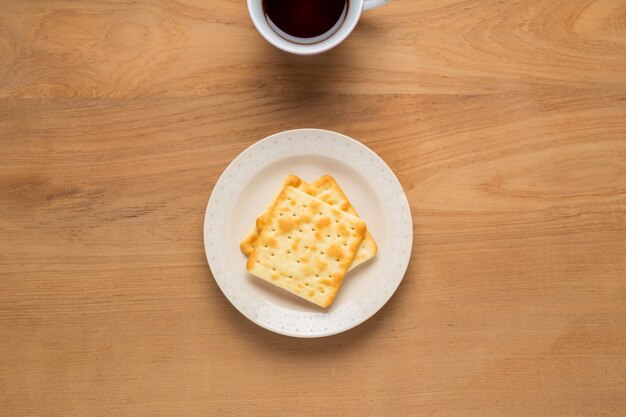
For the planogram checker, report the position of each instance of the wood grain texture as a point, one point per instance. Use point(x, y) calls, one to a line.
point(504, 120)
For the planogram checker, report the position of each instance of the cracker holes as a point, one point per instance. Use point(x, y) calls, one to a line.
point(290, 276)
point(312, 229)
point(288, 237)
point(321, 253)
point(327, 235)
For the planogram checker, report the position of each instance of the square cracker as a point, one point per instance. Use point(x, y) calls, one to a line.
point(326, 189)
point(247, 244)
point(306, 246)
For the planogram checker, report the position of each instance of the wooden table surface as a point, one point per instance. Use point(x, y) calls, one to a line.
point(505, 121)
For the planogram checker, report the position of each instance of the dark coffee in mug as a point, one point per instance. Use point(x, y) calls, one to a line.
point(305, 21)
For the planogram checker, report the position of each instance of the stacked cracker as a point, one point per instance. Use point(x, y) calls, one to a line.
point(307, 239)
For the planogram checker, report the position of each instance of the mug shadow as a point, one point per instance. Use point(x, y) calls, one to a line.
point(308, 88)
point(307, 77)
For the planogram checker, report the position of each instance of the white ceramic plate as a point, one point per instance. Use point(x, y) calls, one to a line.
point(249, 182)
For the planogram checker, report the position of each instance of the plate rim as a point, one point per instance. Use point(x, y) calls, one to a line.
point(223, 177)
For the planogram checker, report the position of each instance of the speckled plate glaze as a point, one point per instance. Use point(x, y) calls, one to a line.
point(249, 182)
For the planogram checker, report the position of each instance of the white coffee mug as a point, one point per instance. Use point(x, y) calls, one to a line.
point(255, 7)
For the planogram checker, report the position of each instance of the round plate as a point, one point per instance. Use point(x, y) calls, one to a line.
point(251, 180)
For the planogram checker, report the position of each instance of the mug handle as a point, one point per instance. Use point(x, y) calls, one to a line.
point(372, 4)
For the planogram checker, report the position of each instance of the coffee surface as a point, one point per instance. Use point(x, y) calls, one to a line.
point(305, 18)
